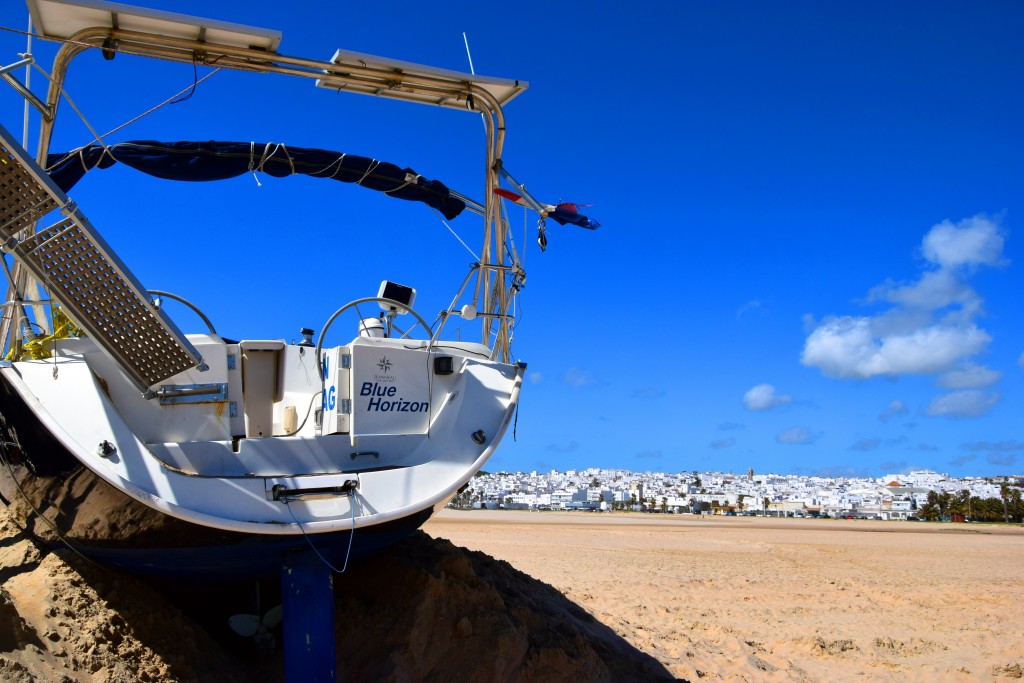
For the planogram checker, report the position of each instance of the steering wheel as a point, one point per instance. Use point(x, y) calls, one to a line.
point(385, 303)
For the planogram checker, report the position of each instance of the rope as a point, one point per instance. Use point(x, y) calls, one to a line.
point(369, 169)
point(36, 348)
point(268, 154)
point(337, 162)
point(252, 166)
point(410, 179)
point(351, 535)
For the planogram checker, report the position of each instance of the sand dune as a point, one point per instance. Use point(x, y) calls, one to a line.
point(743, 599)
point(423, 610)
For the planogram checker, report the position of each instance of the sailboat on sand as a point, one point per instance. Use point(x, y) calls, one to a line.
point(161, 451)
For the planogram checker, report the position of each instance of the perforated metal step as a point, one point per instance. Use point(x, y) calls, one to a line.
point(79, 269)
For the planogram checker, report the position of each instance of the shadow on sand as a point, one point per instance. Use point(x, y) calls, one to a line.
point(423, 610)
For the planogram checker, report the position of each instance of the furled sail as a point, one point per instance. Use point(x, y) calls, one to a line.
point(199, 161)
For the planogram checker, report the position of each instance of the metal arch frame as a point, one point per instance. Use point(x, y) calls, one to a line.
point(491, 283)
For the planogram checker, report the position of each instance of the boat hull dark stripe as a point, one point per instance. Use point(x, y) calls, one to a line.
point(38, 476)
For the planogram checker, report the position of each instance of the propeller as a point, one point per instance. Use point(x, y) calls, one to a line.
point(256, 627)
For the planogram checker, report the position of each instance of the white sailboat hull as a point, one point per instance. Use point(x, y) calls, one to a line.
point(195, 463)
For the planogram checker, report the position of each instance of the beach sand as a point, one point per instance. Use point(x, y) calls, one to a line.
point(751, 599)
point(569, 597)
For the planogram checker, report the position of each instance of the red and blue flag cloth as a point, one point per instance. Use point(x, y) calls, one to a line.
point(565, 213)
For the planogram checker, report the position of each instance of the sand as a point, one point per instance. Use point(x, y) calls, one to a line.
point(750, 599)
point(423, 610)
point(558, 597)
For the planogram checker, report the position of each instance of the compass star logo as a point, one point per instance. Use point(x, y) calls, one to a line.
point(384, 365)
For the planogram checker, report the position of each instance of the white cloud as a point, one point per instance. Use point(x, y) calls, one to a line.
point(1001, 446)
point(969, 376)
point(723, 443)
point(577, 378)
point(930, 325)
point(1001, 459)
point(763, 397)
point(934, 291)
point(967, 403)
point(848, 347)
point(748, 307)
point(796, 436)
point(974, 241)
point(895, 409)
point(536, 378)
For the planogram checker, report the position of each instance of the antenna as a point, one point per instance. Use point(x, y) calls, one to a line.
point(468, 55)
point(28, 83)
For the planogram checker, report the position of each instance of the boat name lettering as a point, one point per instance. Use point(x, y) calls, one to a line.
point(379, 393)
point(375, 389)
point(329, 395)
point(399, 406)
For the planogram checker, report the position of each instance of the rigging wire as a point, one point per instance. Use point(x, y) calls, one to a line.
point(179, 96)
point(71, 103)
point(49, 522)
point(170, 100)
point(455, 234)
point(28, 86)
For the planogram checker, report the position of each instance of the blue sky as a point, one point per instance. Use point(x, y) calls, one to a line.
point(810, 258)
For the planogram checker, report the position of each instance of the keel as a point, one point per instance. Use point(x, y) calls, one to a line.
point(307, 596)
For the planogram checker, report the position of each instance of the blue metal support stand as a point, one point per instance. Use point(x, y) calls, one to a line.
point(307, 598)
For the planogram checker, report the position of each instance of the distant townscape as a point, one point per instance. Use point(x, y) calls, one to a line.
point(923, 494)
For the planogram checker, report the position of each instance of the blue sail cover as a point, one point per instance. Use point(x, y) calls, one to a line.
point(200, 161)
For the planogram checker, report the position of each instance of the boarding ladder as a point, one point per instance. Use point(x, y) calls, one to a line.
point(73, 262)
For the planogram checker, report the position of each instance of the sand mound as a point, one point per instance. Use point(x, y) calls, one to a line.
point(423, 610)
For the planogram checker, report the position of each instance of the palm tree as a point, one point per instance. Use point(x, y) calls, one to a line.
point(987, 509)
point(960, 503)
point(1004, 494)
point(1016, 505)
